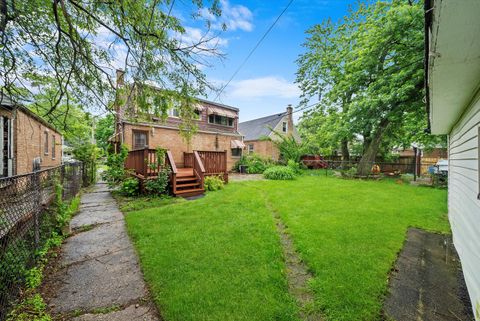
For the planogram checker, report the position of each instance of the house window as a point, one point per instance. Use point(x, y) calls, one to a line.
point(53, 147)
point(250, 148)
point(174, 112)
point(236, 152)
point(220, 120)
point(45, 142)
point(284, 126)
point(196, 114)
point(140, 139)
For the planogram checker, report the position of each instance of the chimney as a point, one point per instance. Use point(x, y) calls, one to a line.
point(290, 119)
point(120, 78)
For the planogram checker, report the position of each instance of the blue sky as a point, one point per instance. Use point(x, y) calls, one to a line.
point(265, 85)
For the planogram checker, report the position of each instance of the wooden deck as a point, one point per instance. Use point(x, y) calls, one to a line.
point(184, 172)
point(184, 181)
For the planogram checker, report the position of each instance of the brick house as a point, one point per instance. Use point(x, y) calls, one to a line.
point(217, 131)
point(258, 134)
point(27, 142)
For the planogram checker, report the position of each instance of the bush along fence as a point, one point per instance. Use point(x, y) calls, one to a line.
point(30, 213)
point(427, 173)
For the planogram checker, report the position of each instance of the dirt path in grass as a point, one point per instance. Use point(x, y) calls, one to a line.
point(298, 274)
point(98, 276)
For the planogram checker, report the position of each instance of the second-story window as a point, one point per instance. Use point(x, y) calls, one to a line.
point(220, 120)
point(45, 142)
point(173, 112)
point(285, 127)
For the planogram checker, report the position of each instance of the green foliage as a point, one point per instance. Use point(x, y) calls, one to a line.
point(279, 173)
point(365, 74)
point(104, 129)
point(130, 187)
point(161, 154)
point(115, 172)
point(75, 67)
point(74, 123)
point(158, 185)
point(213, 183)
point(256, 163)
point(33, 308)
point(33, 277)
point(88, 154)
point(349, 173)
point(294, 166)
point(64, 210)
point(289, 147)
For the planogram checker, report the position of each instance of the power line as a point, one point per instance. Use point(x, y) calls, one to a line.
point(253, 50)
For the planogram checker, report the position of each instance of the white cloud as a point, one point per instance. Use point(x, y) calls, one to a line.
point(271, 86)
point(234, 17)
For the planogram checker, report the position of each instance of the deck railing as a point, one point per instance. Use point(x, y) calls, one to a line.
point(215, 163)
point(188, 160)
point(198, 167)
point(144, 162)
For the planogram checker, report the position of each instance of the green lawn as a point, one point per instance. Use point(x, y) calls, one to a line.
point(219, 258)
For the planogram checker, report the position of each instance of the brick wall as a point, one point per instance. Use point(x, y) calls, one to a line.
point(29, 137)
point(263, 148)
point(173, 141)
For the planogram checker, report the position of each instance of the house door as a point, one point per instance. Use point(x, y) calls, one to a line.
point(6, 147)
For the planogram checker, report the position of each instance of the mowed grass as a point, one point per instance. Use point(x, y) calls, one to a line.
point(219, 258)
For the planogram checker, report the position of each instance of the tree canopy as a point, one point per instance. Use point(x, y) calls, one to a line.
point(366, 74)
point(71, 48)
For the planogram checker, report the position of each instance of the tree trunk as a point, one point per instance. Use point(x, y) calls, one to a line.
point(371, 149)
point(3, 15)
point(345, 152)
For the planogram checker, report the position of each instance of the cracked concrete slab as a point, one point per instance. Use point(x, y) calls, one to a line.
point(113, 279)
point(98, 267)
point(99, 215)
point(427, 282)
point(101, 240)
point(142, 313)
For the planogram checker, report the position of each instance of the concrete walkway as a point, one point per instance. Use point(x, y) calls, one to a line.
point(98, 277)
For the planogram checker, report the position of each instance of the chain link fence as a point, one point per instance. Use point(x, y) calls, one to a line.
point(427, 173)
point(27, 220)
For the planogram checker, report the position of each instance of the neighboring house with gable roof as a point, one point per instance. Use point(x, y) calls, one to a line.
point(259, 134)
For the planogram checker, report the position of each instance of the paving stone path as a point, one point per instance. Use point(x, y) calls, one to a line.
point(98, 277)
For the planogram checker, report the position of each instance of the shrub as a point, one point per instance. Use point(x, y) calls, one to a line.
point(279, 173)
point(350, 173)
point(255, 163)
point(213, 183)
point(130, 187)
point(294, 166)
point(115, 174)
point(158, 185)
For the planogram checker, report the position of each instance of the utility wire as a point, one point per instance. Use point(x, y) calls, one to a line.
point(253, 50)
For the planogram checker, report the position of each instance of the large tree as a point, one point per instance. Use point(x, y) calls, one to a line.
point(72, 48)
point(368, 70)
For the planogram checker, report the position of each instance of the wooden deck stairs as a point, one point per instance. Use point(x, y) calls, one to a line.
point(185, 181)
point(187, 184)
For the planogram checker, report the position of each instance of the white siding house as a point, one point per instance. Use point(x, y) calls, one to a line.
point(453, 101)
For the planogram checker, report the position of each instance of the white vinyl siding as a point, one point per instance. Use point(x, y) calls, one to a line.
point(463, 192)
